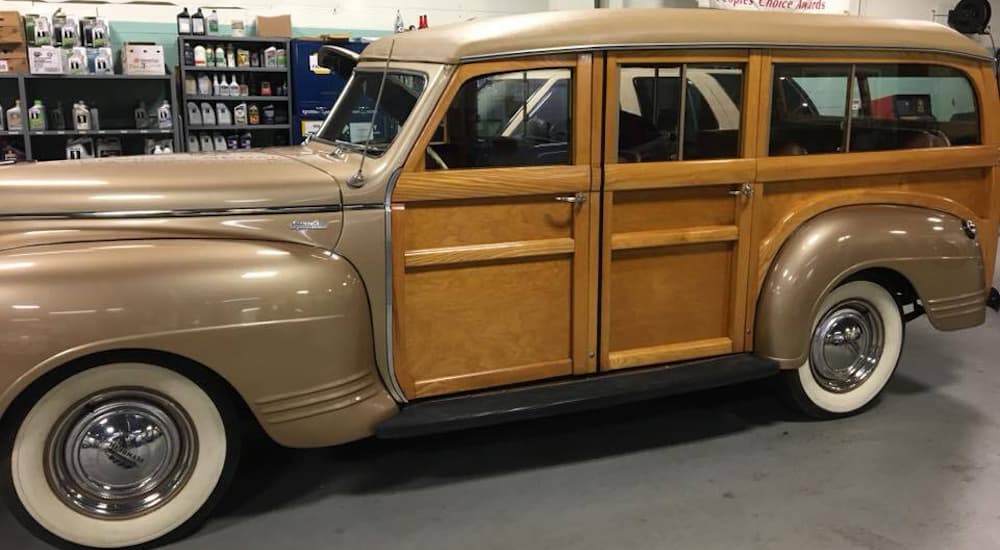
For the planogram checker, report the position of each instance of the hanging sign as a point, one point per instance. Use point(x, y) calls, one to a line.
point(799, 6)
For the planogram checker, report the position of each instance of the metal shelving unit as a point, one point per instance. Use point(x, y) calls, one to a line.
point(116, 112)
point(262, 134)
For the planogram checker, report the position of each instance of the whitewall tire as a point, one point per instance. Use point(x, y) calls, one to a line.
point(120, 455)
point(855, 344)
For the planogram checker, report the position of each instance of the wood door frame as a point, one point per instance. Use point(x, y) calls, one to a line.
point(676, 174)
point(416, 184)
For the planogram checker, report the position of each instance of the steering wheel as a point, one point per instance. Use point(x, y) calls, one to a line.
point(436, 158)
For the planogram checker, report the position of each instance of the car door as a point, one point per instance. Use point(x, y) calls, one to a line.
point(677, 199)
point(493, 231)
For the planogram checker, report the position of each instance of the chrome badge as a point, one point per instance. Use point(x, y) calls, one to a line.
point(305, 225)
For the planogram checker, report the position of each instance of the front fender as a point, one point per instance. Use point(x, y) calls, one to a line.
point(286, 325)
point(927, 247)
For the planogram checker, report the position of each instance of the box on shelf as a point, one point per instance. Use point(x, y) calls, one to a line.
point(278, 26)
point(11, 30)
point(46, 60)
point(143, 58)
point(13, 59)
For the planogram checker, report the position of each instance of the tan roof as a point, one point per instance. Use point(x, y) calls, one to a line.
point(635, 28)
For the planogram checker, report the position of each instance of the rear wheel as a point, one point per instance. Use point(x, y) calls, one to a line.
point(120, 455)
point(855, 345)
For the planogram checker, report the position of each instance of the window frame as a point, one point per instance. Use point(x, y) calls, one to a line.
point(580, 109)
point(814, 58)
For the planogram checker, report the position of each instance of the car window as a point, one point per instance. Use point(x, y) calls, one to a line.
point(520, 118)
point(664, 116)
point(910, 106)
point(809, 109)
point(892, 107)
point(350, 123)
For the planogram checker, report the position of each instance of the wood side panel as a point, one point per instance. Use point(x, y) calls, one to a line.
point(451, 255)
point(672, 209)
point(806, 167)
point(658, 175)
point(761, 138)
point(498, 377)
point(670, 295)
point(581, 123)
point(474, 222)
point(670, 353)
point(606, 282)
point(593, 282)
point(398, 227)
point(673, 237)
point(597, 119)
point(490, 182)
point(580, 247)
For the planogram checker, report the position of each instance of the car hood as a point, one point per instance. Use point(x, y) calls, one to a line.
point(165, 184)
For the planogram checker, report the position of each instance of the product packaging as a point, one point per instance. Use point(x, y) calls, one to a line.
point(222, 115)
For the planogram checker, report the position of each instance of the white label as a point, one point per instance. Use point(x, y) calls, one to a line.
point(359, 131)
point(800, 6)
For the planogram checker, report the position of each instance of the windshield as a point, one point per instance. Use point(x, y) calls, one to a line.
point(351, 120)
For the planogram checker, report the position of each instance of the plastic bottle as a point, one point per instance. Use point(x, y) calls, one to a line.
point(141, 116)
point(220, 56)
point(206, 143)
point(56, 120)
point(222, 115)
point(240, 114)
point(193, 146)
point(209, 56)
point(164, 116)
point(267, 114)
point(188, 54)
point(36, 116)
point(207, 114)
point(184, 22)
point(253, 115)
point(246, 140)
point(81, 116)
point(14, 120)
point(219, 142)
point(190, 84)
point(198, 23)
point(234, 87)
point(213, 22)
point(70, 32)
point(204, 85)
point(103, 63)
point(200, 56)
point(95, 118)
point(244, 88)
point(400, 26)
point(271, 57)
point(194, 114)
point(230, 56)
point(216, 86)
point(280, 57)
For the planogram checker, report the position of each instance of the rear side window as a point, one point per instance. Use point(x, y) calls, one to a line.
point(520, 118)
point(679, 112)
point(870, 107)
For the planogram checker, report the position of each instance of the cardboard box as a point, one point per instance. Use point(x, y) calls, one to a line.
point(13, 59)
point(143, 58)
point(46, 60)
point(279, 26)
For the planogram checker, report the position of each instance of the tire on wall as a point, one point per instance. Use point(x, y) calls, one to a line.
point(855, 345)
point(120, 455)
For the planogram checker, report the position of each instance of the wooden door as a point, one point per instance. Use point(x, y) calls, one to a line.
point(494, 232)
point(678, 194)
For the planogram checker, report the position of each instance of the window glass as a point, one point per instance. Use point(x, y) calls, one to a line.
point(350, 123)
point(809, 109)
point(520, 118)
point(909, 106)
point(650, 117)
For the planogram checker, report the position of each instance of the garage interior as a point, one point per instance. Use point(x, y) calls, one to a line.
point(724, 468)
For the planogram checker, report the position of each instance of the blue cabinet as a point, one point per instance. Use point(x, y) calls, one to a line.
point(314, 89)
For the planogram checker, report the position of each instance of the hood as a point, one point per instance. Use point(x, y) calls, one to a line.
point(152, 185)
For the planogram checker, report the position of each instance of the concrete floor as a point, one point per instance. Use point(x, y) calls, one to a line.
point(724, 469)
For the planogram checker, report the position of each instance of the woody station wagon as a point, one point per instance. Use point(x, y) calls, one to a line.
point(500, 219)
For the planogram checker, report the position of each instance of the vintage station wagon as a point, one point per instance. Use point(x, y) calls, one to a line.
point(501, 219)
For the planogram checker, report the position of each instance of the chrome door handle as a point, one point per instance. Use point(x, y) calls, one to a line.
point(745, 189)
point(578, 198)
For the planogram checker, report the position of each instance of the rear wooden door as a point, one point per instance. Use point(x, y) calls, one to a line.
point(494, 232)
point(677, 201)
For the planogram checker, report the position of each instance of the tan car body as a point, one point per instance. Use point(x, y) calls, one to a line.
point(268, 270)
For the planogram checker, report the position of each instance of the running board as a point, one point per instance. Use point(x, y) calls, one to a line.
point(447, 414)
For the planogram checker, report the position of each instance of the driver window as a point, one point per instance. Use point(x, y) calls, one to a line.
point(518, 118)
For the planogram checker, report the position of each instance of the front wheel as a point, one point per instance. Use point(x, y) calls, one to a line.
point(855, 345)
point(119, 455)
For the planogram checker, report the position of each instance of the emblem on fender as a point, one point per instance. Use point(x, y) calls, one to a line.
point(303, 225)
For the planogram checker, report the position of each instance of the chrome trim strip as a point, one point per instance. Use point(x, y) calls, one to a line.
point(372, 206)
point(180, 213)
point(394, 388)
point(711, 45)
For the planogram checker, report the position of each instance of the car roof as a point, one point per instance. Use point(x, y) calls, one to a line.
point(634, 28)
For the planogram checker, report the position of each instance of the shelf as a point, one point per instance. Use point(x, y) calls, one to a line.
point(224, 38)
point(237, 69)
point(110, 132)
point(11, 132)
point(234, 127)
point(236, 98)
point(96, 76)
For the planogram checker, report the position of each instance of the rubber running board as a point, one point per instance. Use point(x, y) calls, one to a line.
point(447, 414)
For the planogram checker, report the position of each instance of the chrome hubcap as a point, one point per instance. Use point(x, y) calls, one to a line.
point(121, 453)
point(846, 346)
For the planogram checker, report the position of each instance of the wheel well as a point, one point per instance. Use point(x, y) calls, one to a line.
point(895, 282)
point(216, 386)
